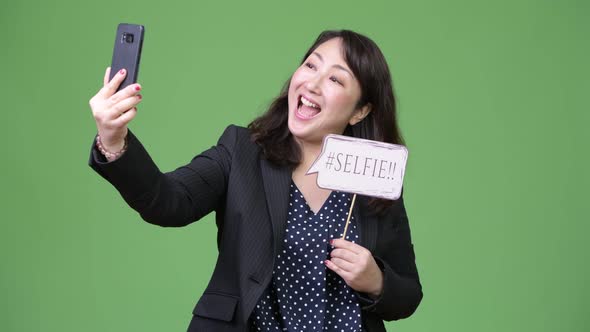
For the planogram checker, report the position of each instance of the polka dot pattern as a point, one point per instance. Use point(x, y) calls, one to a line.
point(304, 294)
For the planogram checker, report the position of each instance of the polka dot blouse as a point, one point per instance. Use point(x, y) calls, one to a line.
point(304, 294)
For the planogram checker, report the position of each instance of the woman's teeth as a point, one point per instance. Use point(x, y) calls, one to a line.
point(309, 111)
point(309, 103)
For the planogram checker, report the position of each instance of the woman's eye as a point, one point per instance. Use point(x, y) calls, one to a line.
point(309, 65)
point(336, 80)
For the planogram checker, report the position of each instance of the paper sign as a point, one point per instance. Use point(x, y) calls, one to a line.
point(361, 166)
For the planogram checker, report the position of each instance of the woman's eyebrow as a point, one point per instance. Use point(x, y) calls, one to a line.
point(319, 56)
point(336, 65)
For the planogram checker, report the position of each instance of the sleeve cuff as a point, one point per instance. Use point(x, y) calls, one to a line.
point(132, 181)
point(368, 303)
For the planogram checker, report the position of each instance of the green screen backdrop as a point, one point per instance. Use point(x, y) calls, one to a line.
point(491, 99)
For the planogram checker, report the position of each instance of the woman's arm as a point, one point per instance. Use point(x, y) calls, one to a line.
point(386, 281)
point(402, 291)
point(169, 199)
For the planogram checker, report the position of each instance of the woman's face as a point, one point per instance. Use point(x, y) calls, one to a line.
point(323, 95)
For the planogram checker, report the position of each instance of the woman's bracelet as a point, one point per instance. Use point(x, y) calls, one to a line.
point(107, 154)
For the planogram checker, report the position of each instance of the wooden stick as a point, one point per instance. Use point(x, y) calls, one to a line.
point(348, 218)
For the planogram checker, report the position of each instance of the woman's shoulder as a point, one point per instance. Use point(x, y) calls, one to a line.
point(237, 138)
point(236, 131)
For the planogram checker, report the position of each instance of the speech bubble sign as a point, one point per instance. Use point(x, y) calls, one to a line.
point(361, 166)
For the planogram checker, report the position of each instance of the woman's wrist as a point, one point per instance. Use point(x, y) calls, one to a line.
point(111, 153)
point(376, 292)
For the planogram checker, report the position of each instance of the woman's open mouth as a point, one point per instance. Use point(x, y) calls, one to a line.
point(307, 109)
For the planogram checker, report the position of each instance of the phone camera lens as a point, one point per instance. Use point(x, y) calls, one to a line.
point(127, 37)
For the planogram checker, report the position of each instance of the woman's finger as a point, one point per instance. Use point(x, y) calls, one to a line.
point(344, 265)
point(345, 254)
point(339, 270)
point(107, 74)
point(125, 118)
point(129, 91)
point(124, 105)
point(340, 243)
point(109, 89)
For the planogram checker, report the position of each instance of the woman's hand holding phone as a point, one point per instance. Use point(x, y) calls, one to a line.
point(113, 110)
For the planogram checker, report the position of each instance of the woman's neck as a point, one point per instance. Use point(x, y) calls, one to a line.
point(307, 184)
point(309, 153)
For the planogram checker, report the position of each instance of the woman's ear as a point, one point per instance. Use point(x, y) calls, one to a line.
point(360, 114)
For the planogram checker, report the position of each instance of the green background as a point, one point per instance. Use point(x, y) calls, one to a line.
point(491, 100)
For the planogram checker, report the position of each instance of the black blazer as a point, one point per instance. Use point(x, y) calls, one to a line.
point(250, 197)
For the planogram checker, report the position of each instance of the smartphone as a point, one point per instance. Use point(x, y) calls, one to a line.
point(127, 52)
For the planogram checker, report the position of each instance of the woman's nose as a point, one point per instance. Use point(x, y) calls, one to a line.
point(313, 84)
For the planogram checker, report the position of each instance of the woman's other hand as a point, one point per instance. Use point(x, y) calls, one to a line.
point(113, 111)
point(356, 265)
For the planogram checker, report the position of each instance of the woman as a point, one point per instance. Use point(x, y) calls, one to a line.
point(282, 264)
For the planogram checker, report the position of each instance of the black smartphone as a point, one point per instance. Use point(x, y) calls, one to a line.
point(127, 52)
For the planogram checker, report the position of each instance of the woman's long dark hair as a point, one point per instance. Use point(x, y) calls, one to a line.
point(271, 132)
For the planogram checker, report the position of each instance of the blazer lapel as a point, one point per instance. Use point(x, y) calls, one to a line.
point(368, 225)
point(276, 187)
